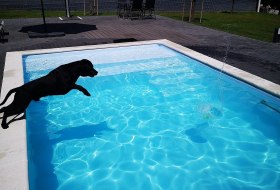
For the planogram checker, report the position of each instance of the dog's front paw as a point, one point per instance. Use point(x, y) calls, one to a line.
point(87, 94)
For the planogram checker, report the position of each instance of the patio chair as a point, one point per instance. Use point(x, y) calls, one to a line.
point(150, 8)
point(2, 32)
point(135, 8)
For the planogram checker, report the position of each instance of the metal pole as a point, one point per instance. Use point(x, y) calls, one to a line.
point(202, 7)
point(190, 15)
point(94, 7)
point(84, 7)
point(67, 8)
point(43, 14)
point(183, 16)
point(97, 11)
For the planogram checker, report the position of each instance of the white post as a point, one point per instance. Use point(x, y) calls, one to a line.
point(67, 8)
point(259, 6)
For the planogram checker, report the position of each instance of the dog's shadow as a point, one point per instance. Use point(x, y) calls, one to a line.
point(81, 132)
point(67, 28)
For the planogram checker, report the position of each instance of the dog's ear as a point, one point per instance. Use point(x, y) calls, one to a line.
point(85, 61)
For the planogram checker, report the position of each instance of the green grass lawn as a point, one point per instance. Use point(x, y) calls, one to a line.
point(6, 14)
point(253, 25)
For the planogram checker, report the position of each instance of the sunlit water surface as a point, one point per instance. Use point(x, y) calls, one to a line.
point(155, 120)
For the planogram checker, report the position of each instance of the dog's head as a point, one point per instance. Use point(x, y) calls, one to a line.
point(87, 69)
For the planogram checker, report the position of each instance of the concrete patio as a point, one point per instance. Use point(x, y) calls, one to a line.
point(257, 57)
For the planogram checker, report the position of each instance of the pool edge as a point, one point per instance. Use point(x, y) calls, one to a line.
point(13, 145)
point(244, 76)
point(247, 77)
point(13, 148)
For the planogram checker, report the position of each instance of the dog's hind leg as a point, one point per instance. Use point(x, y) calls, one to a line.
point(8, 95)
point(17, 107)
point(9, 111)
point(16, 118)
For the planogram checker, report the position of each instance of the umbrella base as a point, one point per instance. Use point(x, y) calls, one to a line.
point(45, 35)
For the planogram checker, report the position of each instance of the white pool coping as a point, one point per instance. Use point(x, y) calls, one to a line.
point(13, 148)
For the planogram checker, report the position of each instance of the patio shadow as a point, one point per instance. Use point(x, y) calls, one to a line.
point(67, 28)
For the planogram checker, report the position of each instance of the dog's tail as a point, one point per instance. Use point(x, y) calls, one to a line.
point(8, 95)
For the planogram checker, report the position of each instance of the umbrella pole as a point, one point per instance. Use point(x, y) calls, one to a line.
point(45, 33)
point(67, 8)
point(43, 14)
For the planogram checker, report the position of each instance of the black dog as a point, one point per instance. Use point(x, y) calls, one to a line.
point(58, 82)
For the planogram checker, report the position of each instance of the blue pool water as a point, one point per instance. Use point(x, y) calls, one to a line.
point(156, 120)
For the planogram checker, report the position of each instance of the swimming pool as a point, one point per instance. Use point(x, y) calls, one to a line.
point(157, 119)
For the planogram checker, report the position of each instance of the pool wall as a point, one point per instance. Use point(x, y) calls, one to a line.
point(13, 148)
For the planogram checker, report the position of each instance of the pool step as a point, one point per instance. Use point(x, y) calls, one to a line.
point(269, 106)
point(129, 67)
